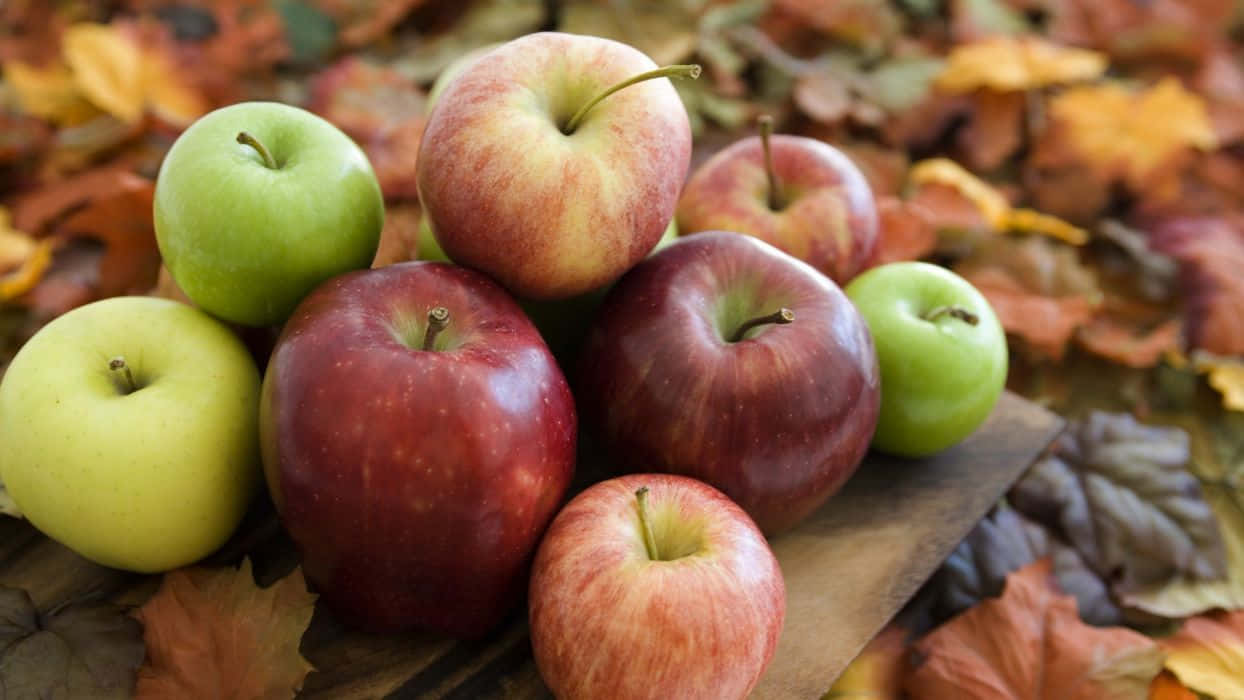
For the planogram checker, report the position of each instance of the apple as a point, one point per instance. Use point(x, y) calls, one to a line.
point(426, 247)
point(539, 169)
point(802, 195)
point(128, 432)
point(417, 438)
point(654, 586)
point(257, 203)
point(942, 352)
point(725, 359)
point(453, 70)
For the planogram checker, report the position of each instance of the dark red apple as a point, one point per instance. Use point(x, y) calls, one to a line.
point(676, 595)
point(725, 359)
point(416, 468)
point(808, 199)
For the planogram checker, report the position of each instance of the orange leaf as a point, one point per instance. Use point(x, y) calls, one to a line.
point(1008, 64)
point(400, 235)
point(49, 93)
point(907, 231)
point(23, 259)
point(1132, 135)
point(994, 131)
point(211, 633)
point(1117, 339)
point(1207, 654)
point(1031, 643)
point(121, 219)
point(1167, 687)
point(108, 69)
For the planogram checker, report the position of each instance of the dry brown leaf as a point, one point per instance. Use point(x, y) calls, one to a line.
point(995, 130)
point(364, 22)
point(1122, 340)
point(907, 231)
point(399, 239)
point(1207, 654)
point(1008, 64)
point(107, 68)
point(1210, 251)
point(211, 633)
point(1131, 135)
point(121, 220)
point(1030, 643)
point(49, 92)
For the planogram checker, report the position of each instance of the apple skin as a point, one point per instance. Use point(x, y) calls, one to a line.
point(939, 379)
point(246, 242)
point(778, 421)
point(453, 70)
point(830, 219)
point(607, 621)
point(550, 215)
point(415, 483)
point(148, 480)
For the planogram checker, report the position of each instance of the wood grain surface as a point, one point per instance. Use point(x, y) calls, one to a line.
point(848, 570)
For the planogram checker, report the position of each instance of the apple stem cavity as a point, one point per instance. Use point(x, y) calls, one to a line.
point(650, 540)
point(247, 139)
point(781, 316)
point(121, 369)
point(679, 71)
point(776, 200)
point(438, 319)
point(954, 312)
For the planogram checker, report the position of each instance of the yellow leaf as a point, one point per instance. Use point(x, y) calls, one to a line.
point(877, 673)
point(23, 260)
point(1207, 654)
point(1009, 63)
point(168, 95)
point(1228, 379)
point(993, 206)
point(108, 69)
point(1131, 133)
point(49, 93)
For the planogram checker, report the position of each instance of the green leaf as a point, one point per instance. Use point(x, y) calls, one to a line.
point(311, 33)
point(81, 651)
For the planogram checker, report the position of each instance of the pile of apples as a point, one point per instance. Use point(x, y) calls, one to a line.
point(417, 435)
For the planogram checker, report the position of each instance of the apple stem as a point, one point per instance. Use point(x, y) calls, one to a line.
point(438, 318)
point(245, 138)
point(118, 365)
point(781, 316)
point(681, 71)
point(776, 200)
point(650, 541)
point(953, 311)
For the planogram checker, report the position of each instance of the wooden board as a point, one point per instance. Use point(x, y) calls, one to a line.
point(848, 570)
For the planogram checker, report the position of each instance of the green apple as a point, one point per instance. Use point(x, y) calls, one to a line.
point(257, 203)
point(129, 432)
point(426, 247)
point(942, 353)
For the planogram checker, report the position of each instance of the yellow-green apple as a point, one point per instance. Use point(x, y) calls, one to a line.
point(547, 167)
point(453, 70)
point(128, 432)
point(942, 351)
point(654, 586)
point(417, 438)
point(802, 195)
point(725, 359)
point(257, 203)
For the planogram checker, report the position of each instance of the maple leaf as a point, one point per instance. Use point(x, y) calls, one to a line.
point(1040, 290)
point(1003, 542)
point(1030, 643)
point(1210, 251)
point(89, 650)
point(1008, 64)
point(1121, 493)
point(214, 634)
point(1130, 135)
point(1207, 654)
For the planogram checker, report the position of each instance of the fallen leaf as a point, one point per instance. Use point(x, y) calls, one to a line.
point(972, 20)
point(865, 22)
point(1009, 64)
point(1228, 378)
point(877, 672)
point(85, 650)
point(1207, 654)
point(1210, 251)
point(907, 231)
point(214, 634)
point(1040, 290)
point(1003, 542)
point(1121, 494)
point(1154, 29)
point(1030, 643)
point(1130, 135)
point(663, 31)
point(1120, 340)
point(399, 239)
point(992, 204)
point(361, 23)
point(1166, 686)
point(23, 259)
point(121, 219)
point(49, 92)
point(107, 68)
point(994, 131)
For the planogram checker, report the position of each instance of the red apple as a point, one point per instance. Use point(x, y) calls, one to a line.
point(415, 468)
point(818, 207)
point(693, 611)
point(549, 208)
point(725, 359)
